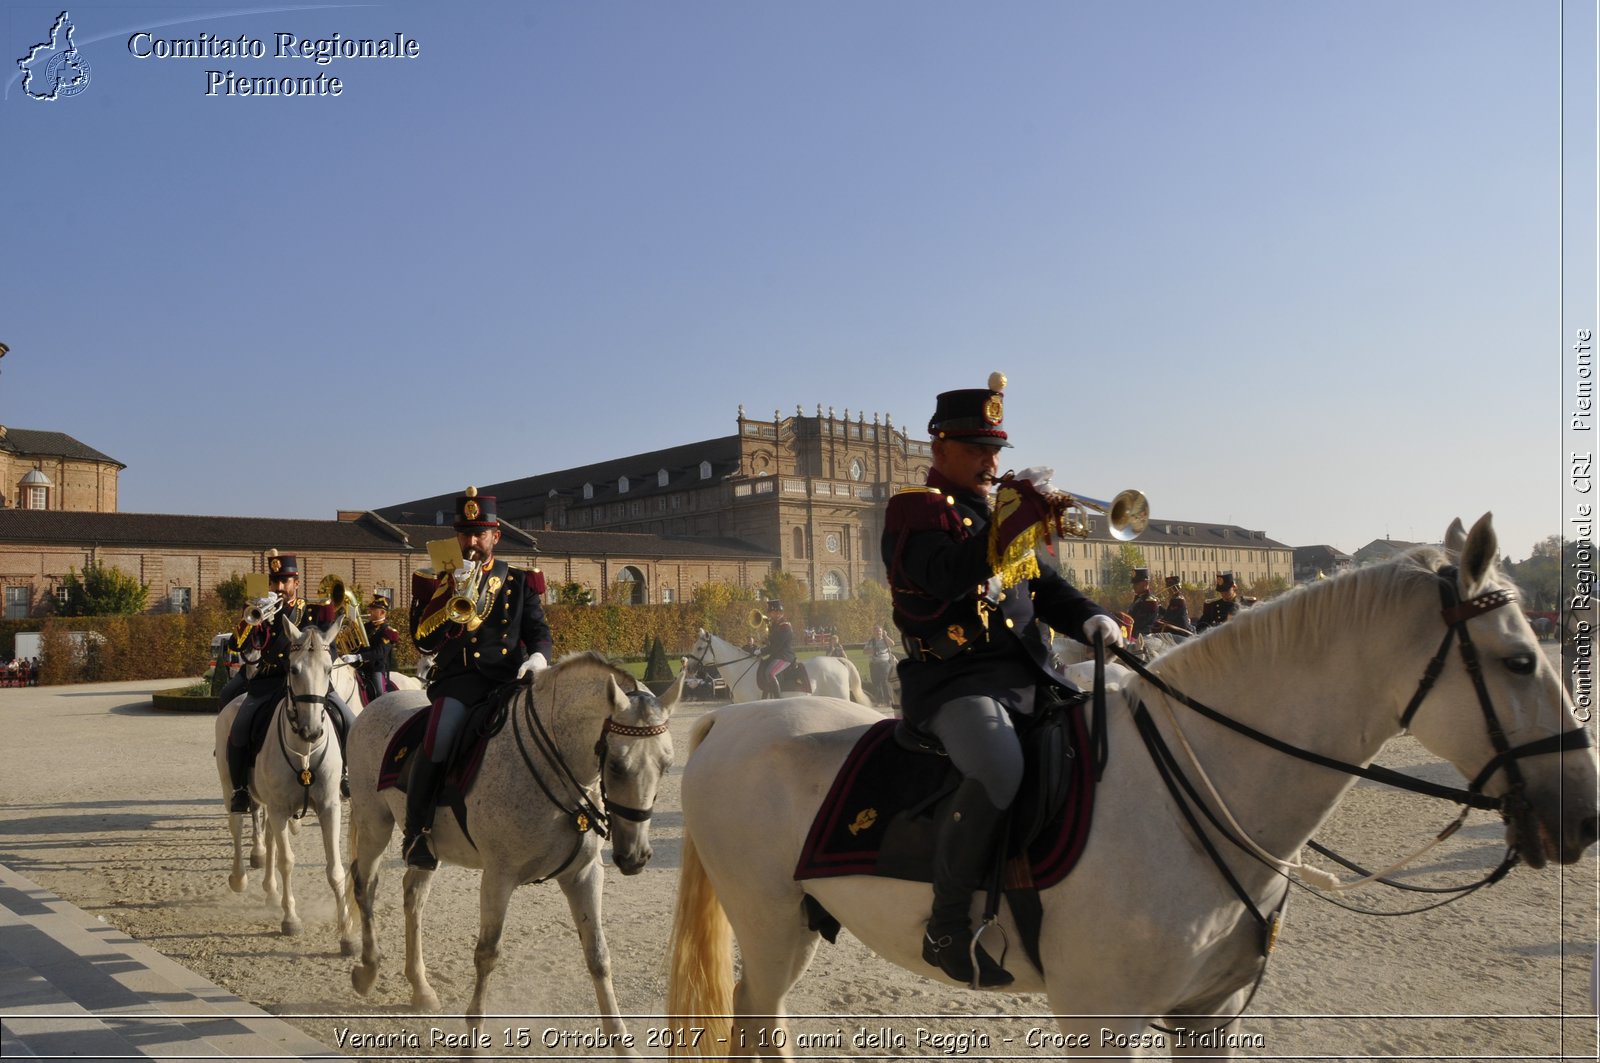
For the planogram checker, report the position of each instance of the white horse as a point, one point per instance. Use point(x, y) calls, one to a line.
point(1146, 928)
point(297, 771)
point(346, 681)
point(831, 677)
point(1065, 652)
point(553, 738)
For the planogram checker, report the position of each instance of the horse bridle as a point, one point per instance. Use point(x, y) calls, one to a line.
point(700, 659)
point(625, 730)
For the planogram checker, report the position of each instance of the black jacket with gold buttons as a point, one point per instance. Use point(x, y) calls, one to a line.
point(471, 659)
point(963, 633)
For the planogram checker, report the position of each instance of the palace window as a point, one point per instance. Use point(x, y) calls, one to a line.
point(18, 600)
point(832, 587)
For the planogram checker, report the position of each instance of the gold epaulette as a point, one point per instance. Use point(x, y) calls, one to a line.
point(919, 490)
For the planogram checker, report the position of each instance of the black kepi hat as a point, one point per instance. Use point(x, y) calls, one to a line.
point(475, 511)
point(281, 565)
point(1173, 581)
point(378, 602)
point(1225, 581)
point(774, 606)
point(972, 415)
point(1140, 574)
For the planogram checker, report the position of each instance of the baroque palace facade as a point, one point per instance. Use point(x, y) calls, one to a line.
point(801, 493)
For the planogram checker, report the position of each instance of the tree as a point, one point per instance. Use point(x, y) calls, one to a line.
point(232, 593)
point(574, 594)
point(786, 588)
point(103, 591)
point(714, 596)
point(1119, 573)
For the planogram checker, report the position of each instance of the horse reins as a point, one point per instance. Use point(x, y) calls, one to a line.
point(753, 658)
point(306, 773)
point(1455, 614)
point(585, 814)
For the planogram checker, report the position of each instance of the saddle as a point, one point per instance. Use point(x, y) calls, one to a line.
point(483, 722)
point(792, 680)
point(881, 815)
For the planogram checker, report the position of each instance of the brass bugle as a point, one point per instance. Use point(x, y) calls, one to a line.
point(756, 620)
point(468, 580)
point(264, 610)
point(1127, 515)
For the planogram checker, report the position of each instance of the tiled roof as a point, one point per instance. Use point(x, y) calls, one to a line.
point(30, 441)
point(365, 534)
point(526, 497)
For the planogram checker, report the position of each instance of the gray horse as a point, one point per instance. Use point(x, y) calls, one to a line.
point(296, 772)
point(542, 793)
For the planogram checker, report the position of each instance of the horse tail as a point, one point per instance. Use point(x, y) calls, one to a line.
point(858, 693)
point(700, 974)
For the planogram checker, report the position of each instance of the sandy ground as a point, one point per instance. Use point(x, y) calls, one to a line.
point(117, 808)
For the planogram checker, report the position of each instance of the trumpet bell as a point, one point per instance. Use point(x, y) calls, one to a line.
point(1127, 515)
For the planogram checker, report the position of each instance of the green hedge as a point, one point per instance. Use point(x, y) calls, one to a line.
point(161, 646)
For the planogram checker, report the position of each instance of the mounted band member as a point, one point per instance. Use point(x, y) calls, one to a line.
point(1222, 608)
point(1145, 610)
point(778, 656)
point(1175, 614)
point(503, 628)
point(377, 658)
point(264, 629)
point(967, 591)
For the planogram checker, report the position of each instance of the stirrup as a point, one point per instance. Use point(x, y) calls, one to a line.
point(961, 957)
point(418, 853)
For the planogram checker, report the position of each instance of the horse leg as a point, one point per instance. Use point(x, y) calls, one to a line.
point(584, 892)
point(284, 858)
point(236, 880)
point(494, 895)
point(329, 816)
point(775, 953)
point(415, 886)
point(258, 836)
point(366, 852)
point(269, 860)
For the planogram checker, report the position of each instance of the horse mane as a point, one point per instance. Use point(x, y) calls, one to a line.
point(1312, 613)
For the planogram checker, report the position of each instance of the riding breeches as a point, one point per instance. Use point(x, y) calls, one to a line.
point(977, 733)
point(445, 718)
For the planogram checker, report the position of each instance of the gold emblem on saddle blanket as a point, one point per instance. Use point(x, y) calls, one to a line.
point(864, 820)
point(957, 633)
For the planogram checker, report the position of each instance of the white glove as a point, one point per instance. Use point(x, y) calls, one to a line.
point(1102, 627)
point(1039, 476)
point(536, 664)
point(351, 658)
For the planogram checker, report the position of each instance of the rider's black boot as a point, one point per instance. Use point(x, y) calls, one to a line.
point(965, 849)
point(422, 791)
point(239, 774)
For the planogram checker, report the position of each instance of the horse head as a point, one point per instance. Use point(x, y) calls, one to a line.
point(310, 675)
point(1518, 738)
point(638, 752)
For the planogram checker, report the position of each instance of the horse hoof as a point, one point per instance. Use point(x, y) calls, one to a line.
point(362, 977)
point(290, 927)
point(426, 1000)
point(236, 883)
point(347, 947)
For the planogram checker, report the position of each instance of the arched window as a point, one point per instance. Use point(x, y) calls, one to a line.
point(622, 485)
point(832, 587)
point(705, 470)
point(588, 490)
point(661, 477)
point(799, 537)
point(630, 582)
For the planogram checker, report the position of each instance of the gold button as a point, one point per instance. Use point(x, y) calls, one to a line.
point(502, 652)
point(476, 654)
point(949, 500)
point(967, 521)
point(1009, 622)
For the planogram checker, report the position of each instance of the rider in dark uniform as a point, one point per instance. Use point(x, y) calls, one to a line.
point(967, 592)
point(1145, 610)
point(377, 657)
point(1175, 614)
point(1222, 608)
point(270, 636)
point(471, 659)
point(779, 654)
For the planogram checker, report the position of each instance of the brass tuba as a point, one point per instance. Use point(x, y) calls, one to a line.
point(353, 635)
point(1127, 515)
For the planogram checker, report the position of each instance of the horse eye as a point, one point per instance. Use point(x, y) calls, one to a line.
point(1521, 664)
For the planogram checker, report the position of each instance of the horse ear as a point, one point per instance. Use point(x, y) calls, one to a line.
point(1478, 555)
point(1455, 537)
point(670, 696)
point(290, 630)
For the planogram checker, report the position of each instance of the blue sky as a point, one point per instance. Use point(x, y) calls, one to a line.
point(1291, 266)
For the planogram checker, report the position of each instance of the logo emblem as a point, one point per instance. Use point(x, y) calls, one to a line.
point(864, 820)
point(55, 69)
point(957, 633)
point(471, 510)
point(992, 409)
point(275, 565)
